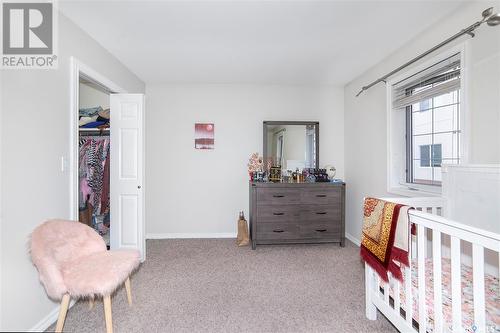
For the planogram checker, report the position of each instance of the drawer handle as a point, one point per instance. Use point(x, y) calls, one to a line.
point(278, 230)
point(321, 213)
point(278, 196)
point(321, 195)
point(278, 214)
point(320, 230)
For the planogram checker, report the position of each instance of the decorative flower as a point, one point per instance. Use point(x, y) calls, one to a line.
point(255, 163)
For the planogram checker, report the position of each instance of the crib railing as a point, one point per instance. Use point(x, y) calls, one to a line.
point(432, 205)
point(439, 228)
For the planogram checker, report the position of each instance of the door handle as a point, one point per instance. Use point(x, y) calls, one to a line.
point(321, 213)
point(278, 214)
point(139, 187)
point(278, 196)
point(278, 230)
point(321, 195)
point(320, 230)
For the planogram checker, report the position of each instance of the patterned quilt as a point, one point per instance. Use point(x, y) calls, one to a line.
point(492, 296)
point(384, 239)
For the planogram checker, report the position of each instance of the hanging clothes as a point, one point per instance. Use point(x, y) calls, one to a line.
point(93, 156)
point(105, 187)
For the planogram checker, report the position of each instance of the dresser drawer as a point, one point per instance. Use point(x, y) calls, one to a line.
point(275, 213)
point(296, 213)
point(319, 196)
point(321, 213)
point(277, 196)
point(277, 231)
point(320, 231)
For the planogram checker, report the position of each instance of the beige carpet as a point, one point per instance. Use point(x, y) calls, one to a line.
point(211, 285)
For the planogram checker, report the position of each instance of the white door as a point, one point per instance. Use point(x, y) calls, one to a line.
point(127, 172)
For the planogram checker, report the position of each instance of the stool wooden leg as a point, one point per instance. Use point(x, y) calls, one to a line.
point(62, 313)
point(107, 314)
point(129, 292)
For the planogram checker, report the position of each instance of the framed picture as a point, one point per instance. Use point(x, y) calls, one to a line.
point(204, 136)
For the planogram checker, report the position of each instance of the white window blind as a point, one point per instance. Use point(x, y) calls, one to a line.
point(433, 81)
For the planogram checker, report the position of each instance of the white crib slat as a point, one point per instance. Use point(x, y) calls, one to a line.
point(408, 295)
point(413, 247)
point(371, 310)
point(478, 287)
point(387, 289)
point(456, 288)
point(377, 284)
point(438, 293)
point(422, 312)
point(397, 300)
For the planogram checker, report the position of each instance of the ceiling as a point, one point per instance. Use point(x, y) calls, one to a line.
point(262, 42)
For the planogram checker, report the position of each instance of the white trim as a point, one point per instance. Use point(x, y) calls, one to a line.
point(144, 186)
point(353, 239)
point(77, 67)
point(191, 235)
point(483, 168)
point(1, 196)
point(409, 190)
point(395, 185)
point(49, 319)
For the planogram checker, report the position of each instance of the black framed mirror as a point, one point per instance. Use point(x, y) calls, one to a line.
point(291, 145)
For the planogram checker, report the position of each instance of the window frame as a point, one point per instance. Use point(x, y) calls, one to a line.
point(397, 136)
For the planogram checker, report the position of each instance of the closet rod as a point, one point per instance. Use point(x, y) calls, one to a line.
point(94, 132)
point(488, 17)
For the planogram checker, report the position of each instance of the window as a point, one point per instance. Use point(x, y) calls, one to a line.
point(431, 102)
point(430, 155)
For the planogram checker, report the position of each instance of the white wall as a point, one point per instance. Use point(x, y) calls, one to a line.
point(35, 134)
point(193, 191)
point(90, 97)
point(365, 116)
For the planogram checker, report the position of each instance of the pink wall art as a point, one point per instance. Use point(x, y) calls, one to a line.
point(204, 136)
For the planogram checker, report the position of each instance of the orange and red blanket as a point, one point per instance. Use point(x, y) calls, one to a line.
point(384, 242)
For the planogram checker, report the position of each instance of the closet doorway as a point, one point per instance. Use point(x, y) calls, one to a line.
point(107, 159)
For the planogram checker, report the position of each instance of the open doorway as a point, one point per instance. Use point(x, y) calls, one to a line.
point(107, 159)
point(91, 151)
point(94, 156)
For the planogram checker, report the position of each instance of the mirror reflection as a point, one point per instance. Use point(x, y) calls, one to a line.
point(292, 147)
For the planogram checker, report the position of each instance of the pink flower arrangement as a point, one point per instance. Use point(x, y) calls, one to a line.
point(254, 163)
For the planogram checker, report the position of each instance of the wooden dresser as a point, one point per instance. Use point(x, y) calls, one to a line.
point(284, 213)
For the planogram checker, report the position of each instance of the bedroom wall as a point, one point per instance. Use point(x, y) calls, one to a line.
point(35, 135)
point(365, 116)
point(199, 192)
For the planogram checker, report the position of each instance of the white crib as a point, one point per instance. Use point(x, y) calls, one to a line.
point(437, 238)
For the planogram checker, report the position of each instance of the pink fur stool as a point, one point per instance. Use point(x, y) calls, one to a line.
point(72, 262)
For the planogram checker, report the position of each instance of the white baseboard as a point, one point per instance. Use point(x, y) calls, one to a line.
point(49, 319)
point(191, 235)
point(353, 239)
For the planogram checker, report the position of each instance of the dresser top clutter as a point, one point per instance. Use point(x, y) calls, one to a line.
point(292, 200)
